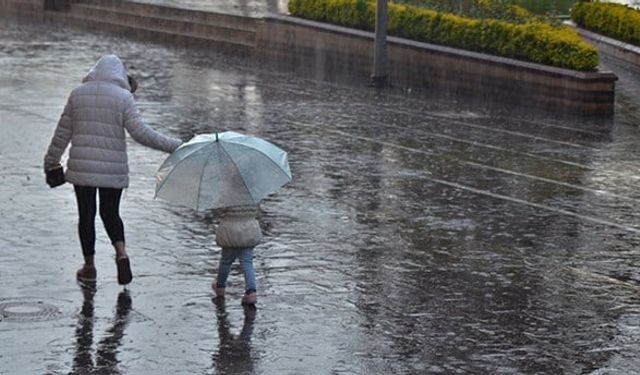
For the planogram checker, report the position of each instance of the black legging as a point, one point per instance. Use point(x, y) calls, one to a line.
point(109, 213)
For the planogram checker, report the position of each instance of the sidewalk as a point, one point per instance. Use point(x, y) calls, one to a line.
point(248, 8)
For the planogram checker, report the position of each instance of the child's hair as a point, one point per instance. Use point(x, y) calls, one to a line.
point(132, 83)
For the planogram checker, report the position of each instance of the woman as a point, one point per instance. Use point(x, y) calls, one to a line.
point(94, 121)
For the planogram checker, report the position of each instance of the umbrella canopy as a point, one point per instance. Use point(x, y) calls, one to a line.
point(222, 170)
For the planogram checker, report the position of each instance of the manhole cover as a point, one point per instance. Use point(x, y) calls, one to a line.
point(29, 310)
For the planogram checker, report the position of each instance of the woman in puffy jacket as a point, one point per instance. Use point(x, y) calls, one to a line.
point(94, 121)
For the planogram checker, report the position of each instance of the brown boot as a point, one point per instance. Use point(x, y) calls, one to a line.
point(250, 298)
point(124, 270)
point(87, 274)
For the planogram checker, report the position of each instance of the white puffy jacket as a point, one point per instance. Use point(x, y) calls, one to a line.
point(239, 228)
point(94, 121)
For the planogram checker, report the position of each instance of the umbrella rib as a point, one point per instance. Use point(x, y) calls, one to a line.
point(174, 167)
point(278, 168)
point(266, 156)
point(204, 165)
point(238, 169)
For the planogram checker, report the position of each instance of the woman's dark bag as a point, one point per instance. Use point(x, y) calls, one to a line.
point(55, 176)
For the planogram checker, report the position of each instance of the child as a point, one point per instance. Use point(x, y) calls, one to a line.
point(237, 234)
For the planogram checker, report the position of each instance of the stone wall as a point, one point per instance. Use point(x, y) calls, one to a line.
point(32, 8)
point(189, 28)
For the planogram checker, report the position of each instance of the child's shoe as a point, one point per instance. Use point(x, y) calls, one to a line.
point(87, 274)
point(218, 290)
point(250, 298)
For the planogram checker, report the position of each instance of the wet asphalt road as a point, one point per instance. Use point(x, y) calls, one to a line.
point(417, 237)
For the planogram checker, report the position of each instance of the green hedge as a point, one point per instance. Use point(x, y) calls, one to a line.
point(536, 42)
point(500, 9)
point(495, 9)
point(615, 20)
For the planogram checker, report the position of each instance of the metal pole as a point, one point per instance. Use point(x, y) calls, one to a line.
point(379, 76)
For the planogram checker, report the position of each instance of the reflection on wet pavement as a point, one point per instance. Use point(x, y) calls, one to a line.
point(234, 351)
point(106, 361)
point(417, 236)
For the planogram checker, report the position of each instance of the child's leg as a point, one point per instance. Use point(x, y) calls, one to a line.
point(246, 263)
point(226, 259)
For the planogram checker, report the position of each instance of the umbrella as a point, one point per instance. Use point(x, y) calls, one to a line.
point(222, 170)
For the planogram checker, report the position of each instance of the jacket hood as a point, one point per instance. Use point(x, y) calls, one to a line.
point(109, 69)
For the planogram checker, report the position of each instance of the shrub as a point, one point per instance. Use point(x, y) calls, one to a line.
point(495, 9)
point(615, 20)
point(533, 41)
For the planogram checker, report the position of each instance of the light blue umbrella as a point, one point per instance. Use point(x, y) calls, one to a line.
point(222, 170)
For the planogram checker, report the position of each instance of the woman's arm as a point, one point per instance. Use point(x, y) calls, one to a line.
point(142, 133)
point(61, 138)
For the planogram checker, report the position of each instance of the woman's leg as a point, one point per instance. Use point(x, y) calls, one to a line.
point(226, 260)
point(246, 263)
point(86, 198)
point(110, 215)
